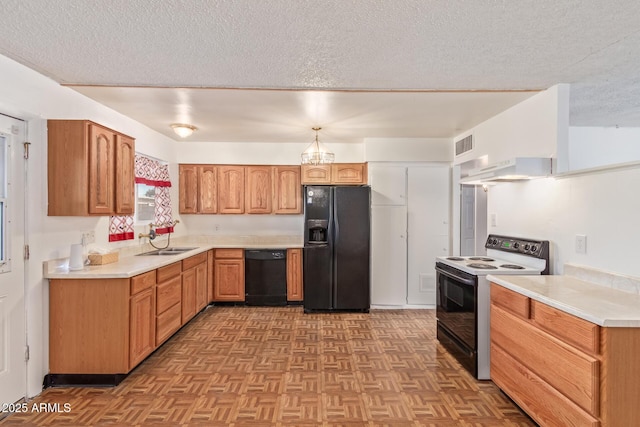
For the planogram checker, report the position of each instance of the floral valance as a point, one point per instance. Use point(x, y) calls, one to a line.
point(152, 172)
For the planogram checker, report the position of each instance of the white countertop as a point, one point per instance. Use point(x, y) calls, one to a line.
point(594, 303)
point(129, 265)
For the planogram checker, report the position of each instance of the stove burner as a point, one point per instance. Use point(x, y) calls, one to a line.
point(481, 258)
point(455, 258)
point(512, 266)
point(481, 266)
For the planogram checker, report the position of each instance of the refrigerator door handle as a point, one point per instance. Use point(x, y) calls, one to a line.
point(336, 241)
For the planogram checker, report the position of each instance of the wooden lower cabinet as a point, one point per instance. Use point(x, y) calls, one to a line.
point(201, 286)
point(563, 370)
point(109, 326)
point(294, 274)
point(142, 326)
point(168, 308)
point(229, 275)
point(194, 285)
point(89, 326)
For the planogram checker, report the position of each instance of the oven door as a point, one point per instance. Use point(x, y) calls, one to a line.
point(456, 310)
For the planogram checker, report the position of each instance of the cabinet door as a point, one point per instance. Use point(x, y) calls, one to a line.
point(188, 183)
point(389, 255)
point(101, 170)
point(207, 189)
point(230, 189)
point(388, 184)
point(142, 326)
point(210, 267)
point(125, 175)
point(229, 280)
point(316, 174)
point(294, 275)
point(258, 190)
point(201, 286)
point(349, 173)
point(287, 193)
point(188, 294)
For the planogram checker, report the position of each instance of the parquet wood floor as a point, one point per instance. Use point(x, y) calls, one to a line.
point(240, 366)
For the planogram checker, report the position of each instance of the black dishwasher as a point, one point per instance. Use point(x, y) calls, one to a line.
point(265, 277)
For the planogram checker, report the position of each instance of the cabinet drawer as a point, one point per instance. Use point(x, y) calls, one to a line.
point(572, 373)
point(167, 323)
point(544, 403)
point(193, 261)
point(511, 301)
point(143, 281)
point(229, 253)
point(168, 294)
point(581, 333)
point(169, 271)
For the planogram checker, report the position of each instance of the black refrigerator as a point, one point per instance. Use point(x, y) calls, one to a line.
point(337, 248)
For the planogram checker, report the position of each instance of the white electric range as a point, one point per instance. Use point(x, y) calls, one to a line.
point(463, 295)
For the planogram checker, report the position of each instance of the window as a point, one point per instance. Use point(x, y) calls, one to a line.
point(4, 232)
point(145, 203)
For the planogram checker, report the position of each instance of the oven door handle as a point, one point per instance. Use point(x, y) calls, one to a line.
point(463, 280)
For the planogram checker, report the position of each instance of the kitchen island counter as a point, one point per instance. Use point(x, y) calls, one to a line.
point(597, 304)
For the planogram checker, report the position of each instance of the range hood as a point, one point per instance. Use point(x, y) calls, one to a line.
point(516, 169)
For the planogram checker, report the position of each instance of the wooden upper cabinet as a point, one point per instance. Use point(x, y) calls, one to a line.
point(102, 142)
point(231, 189)
point(198, 189)
point(349, 173)
point(90, 169)
point(125, 175)
point(320, 174)
point(258, 195)
point(237, 189)
point(188, 184)
point(287, 190)
point(207, 189)
point(336, 173)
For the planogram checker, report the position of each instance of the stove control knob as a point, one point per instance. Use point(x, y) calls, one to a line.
point(516, 245)
point(526, 247)
point(494, 242)
point(534, 248)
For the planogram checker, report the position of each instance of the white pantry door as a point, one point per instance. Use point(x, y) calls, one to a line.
point(12, 305)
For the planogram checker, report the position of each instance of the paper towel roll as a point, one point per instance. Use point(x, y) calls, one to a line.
point(76, 259)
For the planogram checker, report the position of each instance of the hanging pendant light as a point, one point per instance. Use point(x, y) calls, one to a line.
point(316, 153)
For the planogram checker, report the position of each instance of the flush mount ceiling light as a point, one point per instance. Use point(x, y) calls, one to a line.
point(316, 153)
point(183, 130)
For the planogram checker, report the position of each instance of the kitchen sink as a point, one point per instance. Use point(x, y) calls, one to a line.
point(167, 251)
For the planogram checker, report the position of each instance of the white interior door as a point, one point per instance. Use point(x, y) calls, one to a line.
point(389, 255)
point(12, 306)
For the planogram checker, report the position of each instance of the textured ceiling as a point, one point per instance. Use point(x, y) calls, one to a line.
point(387, 45)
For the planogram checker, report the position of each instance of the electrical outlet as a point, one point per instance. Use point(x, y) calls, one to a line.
point(494, 220)
point(88, 237)
point(217, 227)
point(581, 244)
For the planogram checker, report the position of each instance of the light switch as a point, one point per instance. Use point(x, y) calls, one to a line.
point(494, 220)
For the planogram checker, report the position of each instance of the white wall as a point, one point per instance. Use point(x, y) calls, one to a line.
point(261, 153)
point(408, 149)
point(592, 147)
point(536, 127)
point(603, 206)
point(28, 95)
